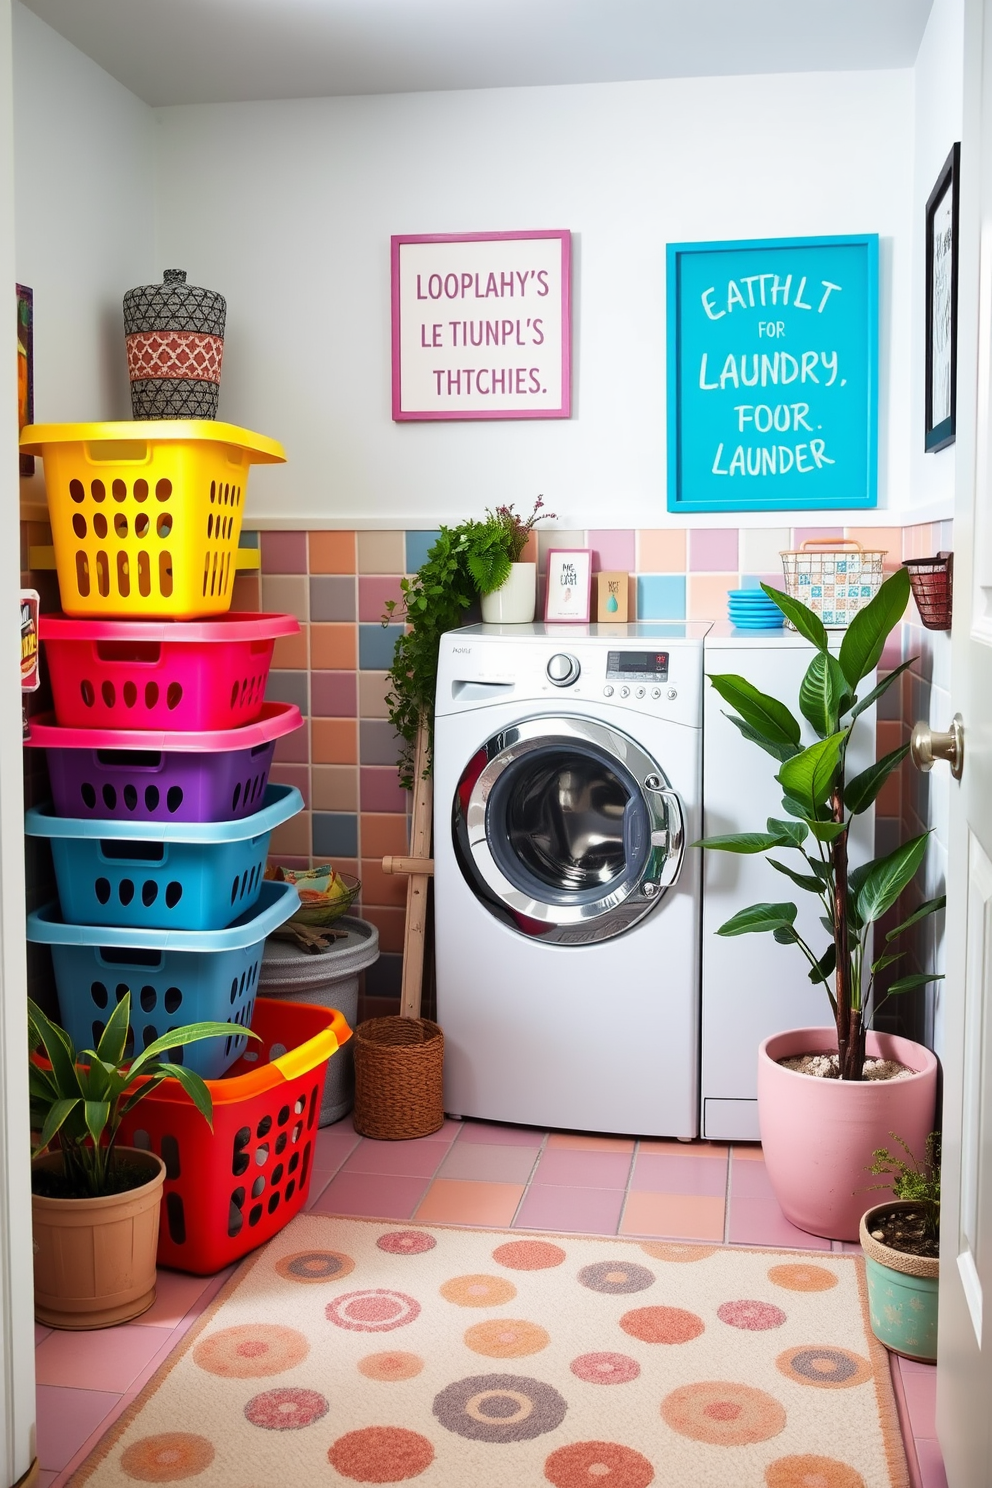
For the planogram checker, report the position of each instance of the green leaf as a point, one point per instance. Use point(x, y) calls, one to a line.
point(802, 880)
point(791, 832)
point(759, 917)
point(802, 617)
point(58, 1113)
point(113, 1039)
point(809, 776)
point(96, 1115)
point(887, 877)
point(821, 693)
point(931, 906)
point(785, 935)
point(882, 687)
point(771, 718)
point(918, 979)
point(860, 792)
point(825, 966)
point(887, 960)
point(865, 637)
point(58, 1048)
point(745, 842)
point(195, 1089)
point(178, 1037)
point(770, 746)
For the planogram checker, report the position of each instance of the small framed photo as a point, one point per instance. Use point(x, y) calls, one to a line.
point(569, 584)
point(942, 306)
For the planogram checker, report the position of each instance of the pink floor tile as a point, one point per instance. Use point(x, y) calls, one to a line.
point(454, 1201)
point(932, 1474)
point(761, 1222)
point(105, 1360)
point(674, 1216)
point(40, 1332)
point(497, 1164)
point(750, 1180)
point(590, 1211)
point(489, 1134)
point(694, 1148)
point(576, 1167)
point(748, 1152)
point(175, 1294)
point(375, 1195)
point(589, 1143)
point(402, 1159)
point(333, 1145)
point(46, 1479)
point(66, 1419)
point(920, 1386)
point(658, 1172)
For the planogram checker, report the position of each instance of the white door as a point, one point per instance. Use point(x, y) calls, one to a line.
point(964, 1369)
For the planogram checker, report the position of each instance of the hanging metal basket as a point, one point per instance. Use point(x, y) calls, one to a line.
point(933, 583)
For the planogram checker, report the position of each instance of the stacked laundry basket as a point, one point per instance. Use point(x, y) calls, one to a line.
point(159, 753)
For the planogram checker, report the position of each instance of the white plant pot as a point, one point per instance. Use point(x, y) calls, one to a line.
point(514, 602)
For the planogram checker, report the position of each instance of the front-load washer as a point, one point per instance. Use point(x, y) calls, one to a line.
point(567, 786)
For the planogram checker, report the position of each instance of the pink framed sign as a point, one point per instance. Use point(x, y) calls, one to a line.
point(569, 584)
point(481, 325)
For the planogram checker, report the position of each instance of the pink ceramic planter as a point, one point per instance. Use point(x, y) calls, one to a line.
point(818, 1135)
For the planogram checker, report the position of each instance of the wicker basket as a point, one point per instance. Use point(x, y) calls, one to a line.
point(933, 584)
point(834, 577)
point(398, 1064)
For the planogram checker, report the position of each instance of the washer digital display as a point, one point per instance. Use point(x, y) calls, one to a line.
point(638, 666)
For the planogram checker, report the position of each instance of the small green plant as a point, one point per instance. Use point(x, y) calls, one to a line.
point(82, 1098)
point(498, 541)
point(913, 1180)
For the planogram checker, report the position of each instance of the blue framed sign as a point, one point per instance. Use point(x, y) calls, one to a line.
point(773, 374)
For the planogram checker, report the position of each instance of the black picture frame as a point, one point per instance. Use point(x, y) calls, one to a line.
point(940, 417)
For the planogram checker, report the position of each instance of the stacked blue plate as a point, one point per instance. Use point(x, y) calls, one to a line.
point(751, 609)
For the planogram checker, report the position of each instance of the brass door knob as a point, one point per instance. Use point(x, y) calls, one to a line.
point(927, 745)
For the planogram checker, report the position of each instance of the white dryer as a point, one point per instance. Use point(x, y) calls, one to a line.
point(567, 785)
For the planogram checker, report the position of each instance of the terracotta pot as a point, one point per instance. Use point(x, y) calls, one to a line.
point(818, 1135)
point(94, 1259)
point(514, 602)
point(902, 1292)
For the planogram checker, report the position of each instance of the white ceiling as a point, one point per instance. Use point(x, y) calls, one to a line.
point(221, 51)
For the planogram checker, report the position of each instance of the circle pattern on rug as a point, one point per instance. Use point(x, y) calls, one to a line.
point(811, 1472)
point(389, 1366)
point(167, 1458)
point(753, 1317)
point(723, 1413)
point(616, 1278)
point(406, 1242)
point(506, 1338)
point(315, 1265)
point(375, 1311)
point(529, 1255)
point(381, 1454)
point(826, 1367)
point(251, 1350)
point(286, 1410)
point(478, 1291)
point(661, 1250)
point(499, 1408)
point(800, 1278)
point(662, 1324)
point(605, 1369)
point(598, 1464)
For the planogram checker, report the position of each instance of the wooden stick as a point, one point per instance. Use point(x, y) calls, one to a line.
point(411, 988)
point(408, 865)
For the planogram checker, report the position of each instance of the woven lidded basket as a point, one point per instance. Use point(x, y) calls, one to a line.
point(834, 577)
point(398, 1064)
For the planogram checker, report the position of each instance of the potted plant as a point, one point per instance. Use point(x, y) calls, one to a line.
point(95, 1204)
point(901, 1242)
point(474, 559)
point(507, 585)
point(818, 1133)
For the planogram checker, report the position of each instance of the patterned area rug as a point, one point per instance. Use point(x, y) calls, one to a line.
point(357, 1351)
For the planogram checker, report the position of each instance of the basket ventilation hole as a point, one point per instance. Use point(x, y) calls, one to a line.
point(306, 1164)
point(76, 490)
point(294, 1135)
point(213, 492)
point(88, 794)
point(79, 524)
point(236, 1219)
point(264, 1127)
point(174, 696)
point(141, 490)
point(236, 797)
point(141, 525)
point(281, 1141)
point(164, 525)
point(142, 1140)
point(276, 1052)
point(102, 574)
point(82, 575)
point(241, 1164)
point(163, 489)
point(151, 797)
point(121, 991)
point(283, 1116)
point(170, 1156)
point(173, 893)
point(258, 1187)
point(234, 991)
point(255, 1215)
point(262, 1154)
point(174, 799)
point(165, 573)
point(129, 1044)
point(144, 572)
point(151, 694)
point(244, 884)
point(173, 999)
point(120, 524)
point(290, 1189)
point(100, 525)
point(130, 797)
point(176, 1218)
point(241, 988)
point(176, 1055)
point(299, 1106)
point(125, 891)
point(234, 888)
point(120, 490)
point(278, 1173)
point(109, 796)
point(241, 1138)
point(313, 1108)
point(123, 576)
point(234, 696)
point(149, 892)
point(149, 1034)
point(130, 694)
point(98, 490)
point(148, 999)
point(293, 1162)
point(99, 994)
point(98, 1028)
point(102, 888)
point(109, 693)
point(87, 693)
point(274, 1202)
point(210, 525)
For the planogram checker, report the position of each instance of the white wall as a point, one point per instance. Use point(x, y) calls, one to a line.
point(287, 208)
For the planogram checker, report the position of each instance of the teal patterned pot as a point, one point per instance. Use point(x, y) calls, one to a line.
point(902, 1292)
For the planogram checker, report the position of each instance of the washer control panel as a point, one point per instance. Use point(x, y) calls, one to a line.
point(637, 666)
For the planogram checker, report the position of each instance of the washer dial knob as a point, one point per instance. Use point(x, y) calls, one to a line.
point(563, 669)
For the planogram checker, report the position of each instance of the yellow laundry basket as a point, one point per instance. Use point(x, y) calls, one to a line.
point(146, 516)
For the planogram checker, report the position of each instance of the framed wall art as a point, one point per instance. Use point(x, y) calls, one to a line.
point(481, 325)
point(569, 584)
point(773, 374)
point(942, 306)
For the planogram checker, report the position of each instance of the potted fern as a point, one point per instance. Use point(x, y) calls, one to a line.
point(818, 1133)
point(901, 1242)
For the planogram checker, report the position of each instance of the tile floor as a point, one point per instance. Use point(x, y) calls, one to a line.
point(467, 1173)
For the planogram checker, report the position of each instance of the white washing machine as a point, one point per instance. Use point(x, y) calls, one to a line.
point(567, 785)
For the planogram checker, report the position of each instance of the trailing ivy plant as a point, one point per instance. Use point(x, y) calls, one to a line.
point(820, 802)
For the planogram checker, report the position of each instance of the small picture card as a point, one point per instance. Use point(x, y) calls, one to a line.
point(569, 584)
point(611, 595)
point(25, 368)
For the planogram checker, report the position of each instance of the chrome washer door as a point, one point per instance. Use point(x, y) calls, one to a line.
point(567, 829)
